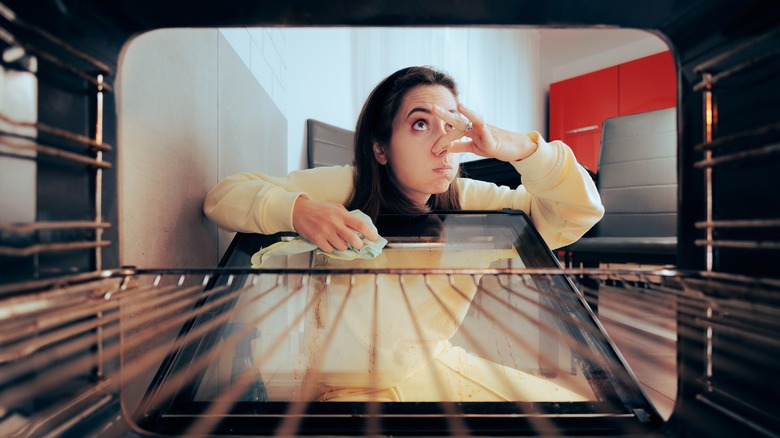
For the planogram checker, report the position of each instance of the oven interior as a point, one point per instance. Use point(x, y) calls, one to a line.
point(93, 348)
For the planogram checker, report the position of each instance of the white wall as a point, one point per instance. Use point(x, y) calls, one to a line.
point(331, 71)
point(190, 113)
point(264, 52)
point(321, 67)
point(327, 73)
point(307, 72)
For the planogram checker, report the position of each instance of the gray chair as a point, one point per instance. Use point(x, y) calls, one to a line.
point(328, 145)
point(637, 180)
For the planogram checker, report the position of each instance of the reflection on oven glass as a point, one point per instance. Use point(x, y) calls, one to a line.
point(406, 337)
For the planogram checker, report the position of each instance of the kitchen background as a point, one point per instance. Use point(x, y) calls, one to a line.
point(196, 105)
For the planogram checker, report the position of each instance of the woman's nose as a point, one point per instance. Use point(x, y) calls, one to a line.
point(440, 152)
point(442, 146)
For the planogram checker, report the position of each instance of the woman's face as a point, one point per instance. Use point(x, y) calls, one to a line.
point(416, 171)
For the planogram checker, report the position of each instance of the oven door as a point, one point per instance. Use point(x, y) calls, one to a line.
point(464, 323)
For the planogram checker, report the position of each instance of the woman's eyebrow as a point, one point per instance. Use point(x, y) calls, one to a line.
point(425, 110)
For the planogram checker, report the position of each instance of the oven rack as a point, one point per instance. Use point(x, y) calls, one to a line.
point(738, 233)
point(74, 347)
point(62, 231)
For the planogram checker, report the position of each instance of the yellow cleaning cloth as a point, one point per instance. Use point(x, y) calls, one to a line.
point(300, 245)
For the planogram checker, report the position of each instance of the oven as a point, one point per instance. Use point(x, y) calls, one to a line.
point(94, 348)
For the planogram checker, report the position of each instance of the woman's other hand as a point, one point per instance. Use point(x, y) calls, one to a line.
point(329, 225)
point(485, 140)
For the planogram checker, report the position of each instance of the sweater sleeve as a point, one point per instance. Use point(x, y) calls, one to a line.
point(557, 194)
point(252, 202)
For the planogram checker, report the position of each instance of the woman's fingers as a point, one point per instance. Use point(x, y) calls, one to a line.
point(443, 143)
point(325, 246)
point(330, 226)
point(458, 124)
point(471, 115)
point(353, 230)
point(338, 243)
point(343, 232)
point(456, 120)
point(338, 237)
point(485, 140)
point(363, 228)
point(348, 238)
point(463, 146)
point(466, 123)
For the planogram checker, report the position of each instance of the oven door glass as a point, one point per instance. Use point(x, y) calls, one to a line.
point(463, 323)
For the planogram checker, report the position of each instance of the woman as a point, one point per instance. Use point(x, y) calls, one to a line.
point(406, 161)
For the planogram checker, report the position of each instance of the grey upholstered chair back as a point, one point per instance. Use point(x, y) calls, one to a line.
point(637, 175)
point(328, 145)
point(637, 181)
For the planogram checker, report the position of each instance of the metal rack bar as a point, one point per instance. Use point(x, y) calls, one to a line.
point(53, 307)
point(51, 130)
point(11, 16)
point(713, 389)
point(710, 124)
point(656, 278)
point(735, 279)
point(82, 413)
point(742, 332)
point(10, 39)
point(712, 62)
point(43, 341)
point(735, 69)
point(33, 287)
point(748, 136)
point(61, 416)
point(181, 377)
point(731, 413)
point(49, 247)
point(68, 318)
point(745, 223)
point(99, 173)
point(742, 244)
point(749, 291)
point(60, 225)
point(69, 156)
point(605, 272)
point(710, 162)
point(79, 365)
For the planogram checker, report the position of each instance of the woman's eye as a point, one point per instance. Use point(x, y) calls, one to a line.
point(420, 125)
point(448, 127)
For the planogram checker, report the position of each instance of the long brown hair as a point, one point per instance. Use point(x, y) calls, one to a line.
point(373, 191)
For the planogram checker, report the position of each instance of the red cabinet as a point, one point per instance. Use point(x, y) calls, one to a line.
point(577, 108)
point(579, 105)
point(647, 84)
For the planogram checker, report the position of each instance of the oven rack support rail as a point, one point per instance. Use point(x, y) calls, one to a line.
point(66, 233)
point(740, 141)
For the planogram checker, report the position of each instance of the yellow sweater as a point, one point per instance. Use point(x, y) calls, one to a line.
point(557, 193)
